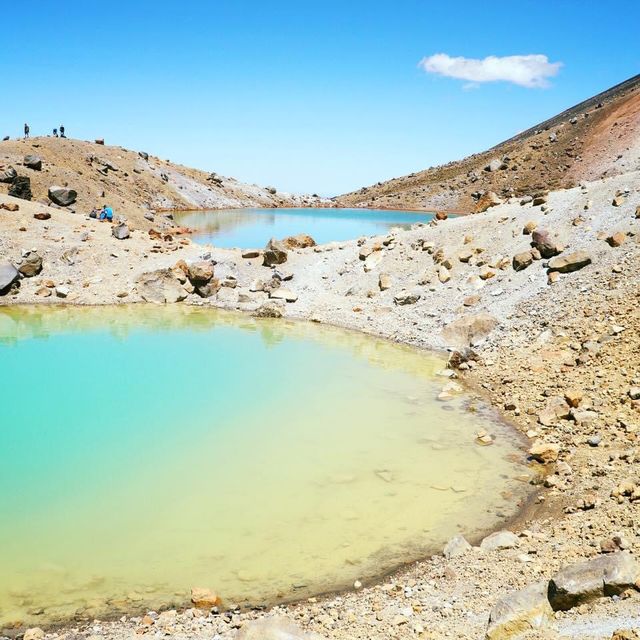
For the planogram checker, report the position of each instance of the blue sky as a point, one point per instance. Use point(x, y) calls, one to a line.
point(305, 96)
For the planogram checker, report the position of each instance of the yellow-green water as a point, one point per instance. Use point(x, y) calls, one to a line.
point(144, 451)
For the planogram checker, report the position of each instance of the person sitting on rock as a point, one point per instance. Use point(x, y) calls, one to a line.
point(106, 213)
point(62, 131)
point(26, 130)
point(55, 133)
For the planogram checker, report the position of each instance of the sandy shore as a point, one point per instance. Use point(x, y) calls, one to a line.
point(436, 287)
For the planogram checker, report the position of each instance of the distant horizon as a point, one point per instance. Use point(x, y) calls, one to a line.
point(309, 99)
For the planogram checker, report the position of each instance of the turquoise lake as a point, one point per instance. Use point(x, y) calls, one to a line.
point(148, 450)
point(252, 228)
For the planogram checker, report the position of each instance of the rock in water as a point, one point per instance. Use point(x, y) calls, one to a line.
point(570, 262)
point(274, 629)
point(160, 287)
point(607, 575)
point(33, 162)
point(204, 598)
point(120, 231)
point(21, 188)
point(8, 275)
point(31, 265)
point(519, 612)
point(62, 196)
point(270, 309)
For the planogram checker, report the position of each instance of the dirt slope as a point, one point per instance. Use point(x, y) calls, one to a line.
point(130, 182)
point(597, 138)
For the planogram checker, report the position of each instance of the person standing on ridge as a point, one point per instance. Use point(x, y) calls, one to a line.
point(55, 133)
point(26, 130)
point(62, 131)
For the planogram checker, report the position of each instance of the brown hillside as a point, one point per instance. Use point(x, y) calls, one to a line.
point(129, 181)
point(596, 138)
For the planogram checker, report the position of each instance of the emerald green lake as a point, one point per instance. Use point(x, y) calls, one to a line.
point(145, 451)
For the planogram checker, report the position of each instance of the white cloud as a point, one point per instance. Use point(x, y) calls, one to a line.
point(527, 71)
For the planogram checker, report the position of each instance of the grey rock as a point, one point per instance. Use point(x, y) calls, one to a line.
point(406, 297)
point(500, 540)
point(456, 547)
point(160, 287)
point(120, 231)
point(606, 575)
point(8, 275)
point(519, 612)
point(62, 196)
point(33, 162)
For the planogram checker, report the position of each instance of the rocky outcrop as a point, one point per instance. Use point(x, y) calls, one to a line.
point(606, 575)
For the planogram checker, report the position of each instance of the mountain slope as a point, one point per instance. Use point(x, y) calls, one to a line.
point(596, 138)
point(131, 182)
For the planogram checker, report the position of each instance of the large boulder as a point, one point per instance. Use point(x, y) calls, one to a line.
point(522, 260)
point(33, 162)
point(8, 275)
point(200, 273)
point(519, 612)
point(469, 330)
point(8, 175)
point(160, 287)
point(120, 231)
point(275, 253)
point(570, 262)
point(31, 265)
point(62, 196)
point(274, 629)
point(544, 452)
point(547, 246)
point(606, 575)
point(21, 188)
